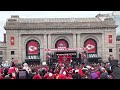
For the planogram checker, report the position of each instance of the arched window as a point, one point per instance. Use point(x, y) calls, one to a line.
point(91, 45)
point(32, 47)
point(61, 43)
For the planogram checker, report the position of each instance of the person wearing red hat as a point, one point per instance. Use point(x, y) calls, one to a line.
point(37, 76)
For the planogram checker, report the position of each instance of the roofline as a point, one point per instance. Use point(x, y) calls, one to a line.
point(17, 28)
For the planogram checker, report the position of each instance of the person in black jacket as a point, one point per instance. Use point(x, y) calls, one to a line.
point(23, 77)
point(76, 75)
point(5, 72)
point(32, 74)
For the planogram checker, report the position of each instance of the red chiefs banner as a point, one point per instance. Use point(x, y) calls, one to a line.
point(91, 46)
point(32, 47)
point(110, 38)
point(61, 44)
point(12, 40)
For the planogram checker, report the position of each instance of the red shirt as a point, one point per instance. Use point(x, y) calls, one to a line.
point(69, 77)
point(54, 76)
point(1, 77)
point(47, 68)
point(62, 76)
point(70, 68)
point(37, 77)
point(46, 76)
point(80, 72)
point(1, 70)
point(98, 73)
point(50, 77)
point(11, 70)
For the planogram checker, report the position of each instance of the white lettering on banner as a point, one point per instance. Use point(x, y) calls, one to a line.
point(92, 55)
point(33, 57)
point(60, 49)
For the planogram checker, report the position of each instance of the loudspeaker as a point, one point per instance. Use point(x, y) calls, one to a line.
point(114, 62)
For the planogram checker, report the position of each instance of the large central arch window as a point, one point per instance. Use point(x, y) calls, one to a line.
point(91, 45)
point(33, 49)
point(61, 43)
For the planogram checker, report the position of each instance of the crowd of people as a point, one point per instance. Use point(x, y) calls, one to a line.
point(59, 70)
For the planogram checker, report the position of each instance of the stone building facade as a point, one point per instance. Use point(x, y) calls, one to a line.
point(2, 51)
point(48, 31)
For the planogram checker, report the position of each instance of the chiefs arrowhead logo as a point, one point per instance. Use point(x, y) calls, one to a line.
point(90, 46)
point(61, 44)
point(32, 48)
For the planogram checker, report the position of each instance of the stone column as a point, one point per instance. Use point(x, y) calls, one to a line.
point(74, 40)
point(78, 40)
point(45, 45)
point(103, 46)
point(49, 40)
point(19, 50)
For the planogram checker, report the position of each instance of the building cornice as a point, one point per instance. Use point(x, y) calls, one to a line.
point(38, 28)
point(33, 24)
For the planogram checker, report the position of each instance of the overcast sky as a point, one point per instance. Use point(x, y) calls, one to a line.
point(45, 14)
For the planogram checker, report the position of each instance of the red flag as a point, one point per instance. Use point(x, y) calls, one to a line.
point(12, 40)
point(110, 38)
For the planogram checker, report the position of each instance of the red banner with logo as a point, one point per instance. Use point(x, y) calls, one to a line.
point(91, 46)
point(32, 47)
point(110, 38)
point(12, 40)
point(61, 44)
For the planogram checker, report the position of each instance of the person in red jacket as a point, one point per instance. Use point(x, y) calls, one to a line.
point(80, 72)
point(46, 75)
point(69, 76)
point(1, 69)
point(50, 76)
point(37, 76)
point(11, 70)
point(62, 76)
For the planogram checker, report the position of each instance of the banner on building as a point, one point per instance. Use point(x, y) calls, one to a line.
point(32, 50)
point(12, 40)
point(91, 46)
point(32, 47)
point(62, 44)
point(110, 38)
